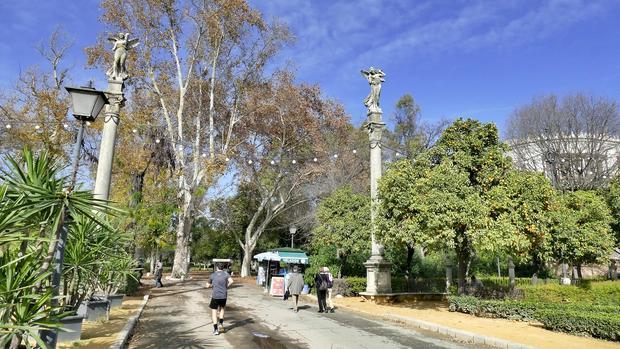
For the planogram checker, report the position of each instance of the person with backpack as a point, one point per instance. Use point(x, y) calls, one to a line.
point(321, 281)
point(330, 284)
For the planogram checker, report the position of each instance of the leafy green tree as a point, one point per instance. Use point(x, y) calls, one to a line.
point(344, 223)
point(582, 229)
point(612, 196)
point(521, 208)
point(440, 200)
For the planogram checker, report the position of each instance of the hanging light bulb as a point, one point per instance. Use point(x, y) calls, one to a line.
point(37, 127)
point(397, 154)
point(87, 123)
point(294, 162)
point(204, 155)
point(8, 126)
point(336, 156)
point(227, 159)
point(65, 125)
point(157, 141)
point(272, 162)
point(354, 151)
point(315, 159)
point(250, 162)
point(134, 131)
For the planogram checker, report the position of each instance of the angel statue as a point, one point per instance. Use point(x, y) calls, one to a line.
point(375, 78)
point(122, 44)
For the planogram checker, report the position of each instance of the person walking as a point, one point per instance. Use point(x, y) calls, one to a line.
point(220, 281)
point(158, 273)
point(330, 284)
point(294, 285)
point(321, 281)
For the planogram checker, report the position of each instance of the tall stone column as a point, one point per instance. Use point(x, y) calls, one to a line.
point(117, 74)
point(378, 277)
point(116, 100)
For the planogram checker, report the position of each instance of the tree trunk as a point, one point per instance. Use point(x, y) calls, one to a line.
point(247, 260)
point(410, 252)
point(578, 267)
point(463, 269)
point(152, 262)
point(181, 252)
point(135, 197)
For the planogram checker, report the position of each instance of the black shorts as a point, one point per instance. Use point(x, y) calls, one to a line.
point(217, 303)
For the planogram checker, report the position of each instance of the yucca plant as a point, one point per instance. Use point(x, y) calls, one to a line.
point(35, 203)
point(24, 311)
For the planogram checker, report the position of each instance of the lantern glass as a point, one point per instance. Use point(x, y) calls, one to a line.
point(86, 102)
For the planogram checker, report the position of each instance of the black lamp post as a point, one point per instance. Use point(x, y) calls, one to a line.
point(87, 104)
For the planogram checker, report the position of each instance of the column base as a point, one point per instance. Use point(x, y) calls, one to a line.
point(378, 275)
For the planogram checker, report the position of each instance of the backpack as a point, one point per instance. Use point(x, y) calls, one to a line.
point(323, 284)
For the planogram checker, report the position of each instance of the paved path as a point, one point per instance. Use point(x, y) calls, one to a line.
point(178, 316)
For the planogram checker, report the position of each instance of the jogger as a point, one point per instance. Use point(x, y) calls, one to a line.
point(220, 281)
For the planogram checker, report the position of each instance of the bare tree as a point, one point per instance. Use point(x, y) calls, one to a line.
point(573, 140)
point(197, 58)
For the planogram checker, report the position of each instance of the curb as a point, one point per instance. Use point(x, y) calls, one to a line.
point(466, 336)
point(123, 336)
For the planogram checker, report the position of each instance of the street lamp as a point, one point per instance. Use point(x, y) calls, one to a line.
point(86, 103)
point(292, 229)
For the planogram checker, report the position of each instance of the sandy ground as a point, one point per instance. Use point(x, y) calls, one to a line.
point(514, 331)
point(102, 334)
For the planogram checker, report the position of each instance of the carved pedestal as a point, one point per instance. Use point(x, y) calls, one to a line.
point(378, 276)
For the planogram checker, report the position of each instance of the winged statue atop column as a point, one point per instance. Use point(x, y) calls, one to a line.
point(122, 44)
point(375, 77)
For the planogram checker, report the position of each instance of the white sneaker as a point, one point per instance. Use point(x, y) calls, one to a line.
point(216, 332)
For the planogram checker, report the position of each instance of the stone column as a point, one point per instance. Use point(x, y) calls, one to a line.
point(378, 277)
point(108, 138)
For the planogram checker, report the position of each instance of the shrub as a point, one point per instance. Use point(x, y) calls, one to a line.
point(596, 293)
point(599, 325)
point(356, 284)
point(517, 310)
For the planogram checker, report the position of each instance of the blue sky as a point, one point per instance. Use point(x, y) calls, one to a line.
point(471, 58)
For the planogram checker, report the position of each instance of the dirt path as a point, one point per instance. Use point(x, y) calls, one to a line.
point(514, 331)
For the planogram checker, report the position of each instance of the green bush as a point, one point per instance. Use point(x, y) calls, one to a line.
point(596, 293)
point(356, 284)
point(517, 310)
point(599, 325)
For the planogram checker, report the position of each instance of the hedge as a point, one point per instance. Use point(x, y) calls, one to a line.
point(599, 325)
point(598, 293)
point(601, 321)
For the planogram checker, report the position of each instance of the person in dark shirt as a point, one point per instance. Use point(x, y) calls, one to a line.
point(219, 281)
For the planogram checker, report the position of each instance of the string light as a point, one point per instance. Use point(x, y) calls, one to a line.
point(65, 125)
point(157, 141)
point(227, 159)
point(336, 156)
point(294, 162)
point(8, 126)
point(315, 159)
point(36, 127)
point(272, 162)
point(134, 131)
point(354, 151)
point(204, 155)
point(397, 154)
point(87, 123)
point(250, 162)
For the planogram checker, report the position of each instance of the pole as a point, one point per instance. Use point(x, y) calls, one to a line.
point(50, 337)
point(108, 139)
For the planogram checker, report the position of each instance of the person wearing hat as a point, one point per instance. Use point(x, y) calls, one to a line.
point(330, 284)
point(295, 284)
